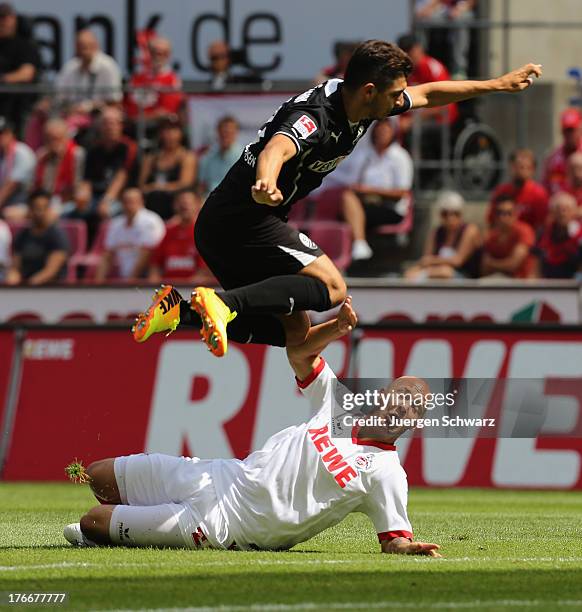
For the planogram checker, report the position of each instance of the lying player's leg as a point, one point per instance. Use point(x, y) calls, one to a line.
point(164, 525)
point(102, 481)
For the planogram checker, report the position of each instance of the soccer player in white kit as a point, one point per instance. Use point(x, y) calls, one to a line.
point(301, 482)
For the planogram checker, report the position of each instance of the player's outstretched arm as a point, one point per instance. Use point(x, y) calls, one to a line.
point(445, 92)
point(305, 357)
point(403, 546)
point(269, 163)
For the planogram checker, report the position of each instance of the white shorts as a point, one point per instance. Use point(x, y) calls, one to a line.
point(168, 501)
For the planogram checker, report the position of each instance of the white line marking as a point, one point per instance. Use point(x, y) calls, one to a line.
point(250, 562)
point(380, 605)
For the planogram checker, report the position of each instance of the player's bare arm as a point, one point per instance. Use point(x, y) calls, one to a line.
point(403, 546)
point(429, 95)
point(269, 163)
point(305, 357)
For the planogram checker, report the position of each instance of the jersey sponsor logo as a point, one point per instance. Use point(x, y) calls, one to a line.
point(249, 158)
point(364, 462)
point(305, 126)
point(335, 136)
point(326, 166)
point(306, 241)
point(332, 459)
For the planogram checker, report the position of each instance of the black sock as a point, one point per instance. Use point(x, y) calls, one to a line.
point(279, 295)
point(188, 316)
point(248, 329)
point(257, 329)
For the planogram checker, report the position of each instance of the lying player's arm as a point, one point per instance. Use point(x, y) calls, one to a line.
point(269, 163)
point(403, 546)
point(447, 92)
point(305, 357)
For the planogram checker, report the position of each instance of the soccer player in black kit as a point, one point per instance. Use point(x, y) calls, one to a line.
point(270, 272)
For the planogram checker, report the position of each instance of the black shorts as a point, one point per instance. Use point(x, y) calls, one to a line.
point(242, 243)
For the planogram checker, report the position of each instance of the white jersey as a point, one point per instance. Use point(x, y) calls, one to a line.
point(125, 239)
point(303, 481)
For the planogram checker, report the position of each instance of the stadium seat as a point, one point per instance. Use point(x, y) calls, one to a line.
point(327, 204)
point(91, 259)
point(333, 237)
point(404, 227)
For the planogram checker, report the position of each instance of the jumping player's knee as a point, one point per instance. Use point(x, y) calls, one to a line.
point(95, 524)
point(324, 269)
point(337, 288)
point(102, 481)
point(296, 328)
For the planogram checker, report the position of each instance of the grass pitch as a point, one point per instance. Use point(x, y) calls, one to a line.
point(504, 551)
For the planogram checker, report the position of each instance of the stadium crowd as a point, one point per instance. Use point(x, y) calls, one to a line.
point(97, 185)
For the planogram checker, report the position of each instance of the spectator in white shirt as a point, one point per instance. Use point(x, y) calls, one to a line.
point(130, 239)
point(378, 178)
point(17, 163)
point(90, 79)
point(5, 244)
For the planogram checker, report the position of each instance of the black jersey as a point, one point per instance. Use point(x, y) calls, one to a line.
point(317, 123)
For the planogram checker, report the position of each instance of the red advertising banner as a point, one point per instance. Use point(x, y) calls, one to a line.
point(91, 394)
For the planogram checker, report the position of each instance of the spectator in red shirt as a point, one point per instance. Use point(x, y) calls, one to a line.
point(342, 51)
point(555, 167)
point(427, 69)
point(161, 94)
point(573, 183)
point(559, 246)
point(60, 163)
point(530, 197)
point(176, 256)
point(506, 251)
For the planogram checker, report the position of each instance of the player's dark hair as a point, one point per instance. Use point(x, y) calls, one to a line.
point(36, 194)
point(378, 62)
point(407, 41)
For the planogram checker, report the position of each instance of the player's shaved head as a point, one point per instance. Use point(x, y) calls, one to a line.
point(378, 62)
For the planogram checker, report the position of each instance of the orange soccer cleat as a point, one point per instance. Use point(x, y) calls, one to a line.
point(215, 316)
point(162, 316)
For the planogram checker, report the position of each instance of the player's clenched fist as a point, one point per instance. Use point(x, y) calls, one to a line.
point(264, 192)
point(520, 79)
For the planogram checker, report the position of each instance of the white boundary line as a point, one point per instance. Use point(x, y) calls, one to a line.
point(382, 605)
point(253, 562)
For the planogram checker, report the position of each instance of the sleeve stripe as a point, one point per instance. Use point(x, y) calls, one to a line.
point(409, 98)
point(295, 141)
point(390, 535)
point(317, 370)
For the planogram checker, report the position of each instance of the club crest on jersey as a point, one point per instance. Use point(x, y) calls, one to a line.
point(307, 241)
point(364, 462)
point(305, 126)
